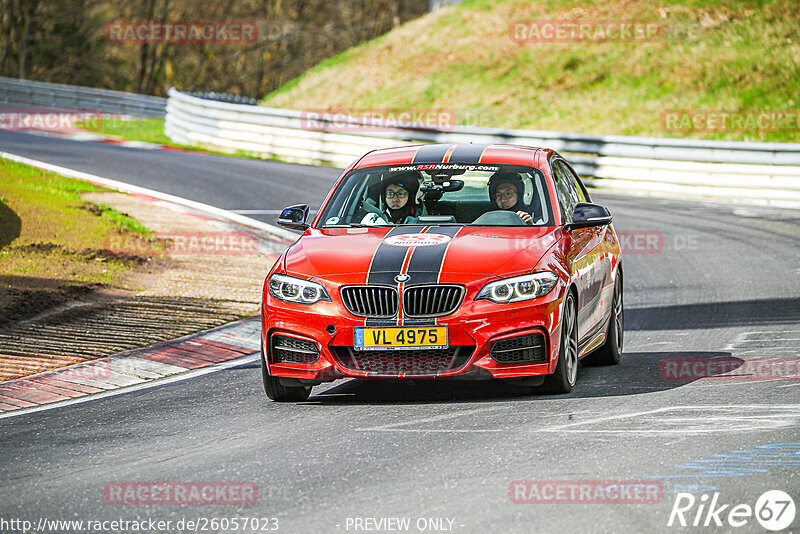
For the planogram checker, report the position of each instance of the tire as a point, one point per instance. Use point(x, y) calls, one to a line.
point(277, 391)
point(564, 377)
point(610, 352)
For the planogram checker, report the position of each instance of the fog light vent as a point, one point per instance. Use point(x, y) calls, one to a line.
point(520, 349)
point(292, 350)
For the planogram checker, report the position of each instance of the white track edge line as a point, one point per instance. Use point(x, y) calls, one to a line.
point(193, 373)
point(129, 188)
point(121, 357)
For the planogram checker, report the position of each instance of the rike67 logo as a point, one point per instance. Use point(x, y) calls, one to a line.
point(774, 510)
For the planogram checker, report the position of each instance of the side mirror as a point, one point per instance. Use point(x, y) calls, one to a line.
point(586, 215)
point(294, 217)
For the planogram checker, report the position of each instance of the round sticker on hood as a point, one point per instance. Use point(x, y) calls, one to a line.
point(417, 240)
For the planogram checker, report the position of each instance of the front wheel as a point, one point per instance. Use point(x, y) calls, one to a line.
point(566, 373)
point(611, 351)
point(277, 391)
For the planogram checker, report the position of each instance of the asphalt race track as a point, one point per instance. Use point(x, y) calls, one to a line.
point(249, 184)
point(701, 281)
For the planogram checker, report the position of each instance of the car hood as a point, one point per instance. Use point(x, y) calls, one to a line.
point(438, 254)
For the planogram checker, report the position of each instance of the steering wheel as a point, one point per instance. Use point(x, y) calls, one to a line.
point(500, 218)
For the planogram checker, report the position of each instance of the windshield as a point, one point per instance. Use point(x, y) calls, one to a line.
point(440, 194)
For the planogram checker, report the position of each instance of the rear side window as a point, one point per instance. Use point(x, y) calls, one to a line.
point(583, 196)
point(565, 189)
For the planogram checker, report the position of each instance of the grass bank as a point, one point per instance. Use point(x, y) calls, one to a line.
point(710, 55)
point(50, 238)
point(149, 130)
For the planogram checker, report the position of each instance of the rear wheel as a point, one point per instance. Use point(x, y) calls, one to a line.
point(611, 351)
point(566, 373)
point(277, 391)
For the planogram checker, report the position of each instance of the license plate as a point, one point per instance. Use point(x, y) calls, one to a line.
point(401, 337)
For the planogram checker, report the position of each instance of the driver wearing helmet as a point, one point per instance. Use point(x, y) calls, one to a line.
point(505, 191)
point(399, 194)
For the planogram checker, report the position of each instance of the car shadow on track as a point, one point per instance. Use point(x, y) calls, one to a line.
point(638, 373)
point(704, 315)
point(648, 372)
point(418, 391)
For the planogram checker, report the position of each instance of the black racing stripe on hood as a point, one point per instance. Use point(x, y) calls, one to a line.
point(426, 262)
point(388, 259)
point(467, 153)
point(431, 154)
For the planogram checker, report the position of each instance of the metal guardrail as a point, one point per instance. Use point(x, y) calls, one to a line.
point(225, 97)
point(84, 98)
point(765, 173)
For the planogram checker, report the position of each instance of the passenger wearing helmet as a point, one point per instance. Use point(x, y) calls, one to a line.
point(506, 191)
point(399, 194)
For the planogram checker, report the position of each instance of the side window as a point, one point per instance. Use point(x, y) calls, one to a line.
point(539, 203)
point(565, 189)
point(583, 194)
point(576, 184)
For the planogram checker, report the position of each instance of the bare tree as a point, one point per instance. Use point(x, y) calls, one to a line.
point(63, 41)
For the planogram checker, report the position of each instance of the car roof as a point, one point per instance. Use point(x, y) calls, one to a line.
point(451, 153)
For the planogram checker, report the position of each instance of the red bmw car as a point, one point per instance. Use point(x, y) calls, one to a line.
point(445, 262)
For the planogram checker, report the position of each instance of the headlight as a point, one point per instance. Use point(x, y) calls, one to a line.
point(530, 286)
point(291, 289)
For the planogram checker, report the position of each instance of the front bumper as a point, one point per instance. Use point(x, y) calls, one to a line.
point(476, 324)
